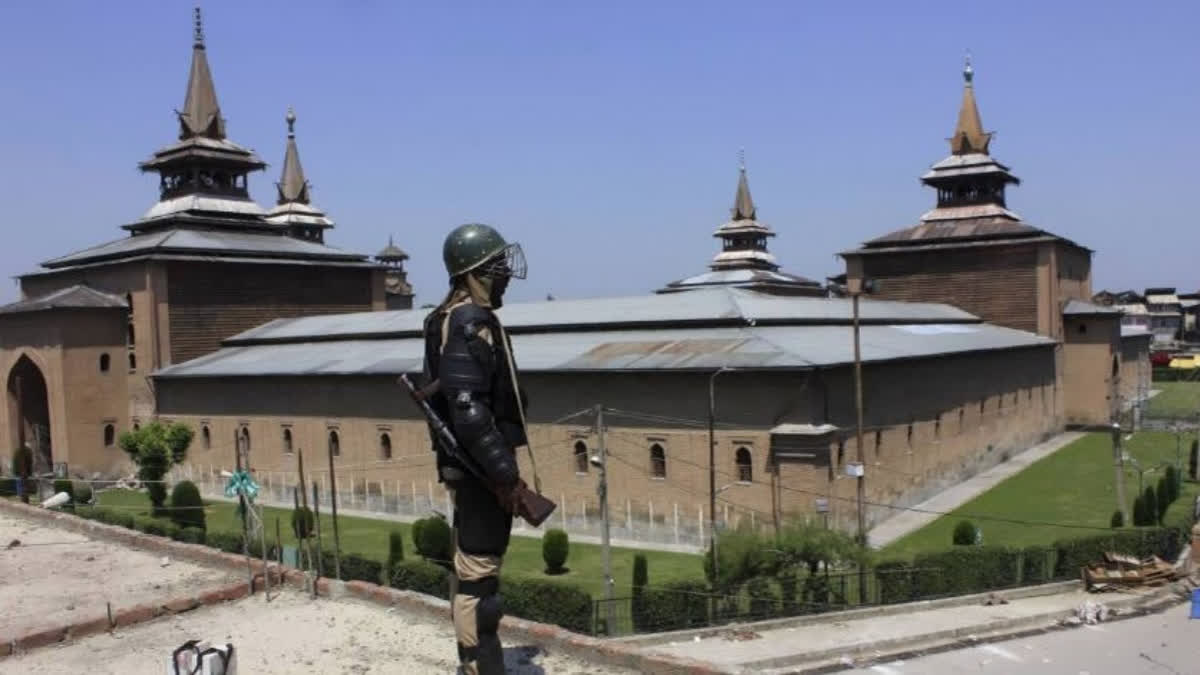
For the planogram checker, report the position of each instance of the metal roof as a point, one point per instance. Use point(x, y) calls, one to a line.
point(208, 241)
point(1134, 331)
point(1084, 308)
point(207, 203)
point(72, 297)
point(758, 347)
point(703, 306)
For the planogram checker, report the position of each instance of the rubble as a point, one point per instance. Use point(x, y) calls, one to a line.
point(1119, 571)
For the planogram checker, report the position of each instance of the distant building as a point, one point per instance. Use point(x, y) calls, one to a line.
point(744, 261)
point(973, 252)
point(1131, 305)
point(1166, 314)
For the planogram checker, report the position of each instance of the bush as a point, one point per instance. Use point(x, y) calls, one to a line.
point(895, 581)
point(1150, 504)
point(558, 603)
point(1139, 511)
point(555, 547)
point(82, 492)
point(302, 522)
point(432, 538)
point(1037, 564)
point(1164, 498)
point(637, 605)
point(191, 535)
point(61, 485)
point(97, 513)
point(125, 519)
point(395, 548)
point(151, 525)
point(965, 533)
point(763, 598)
point(681, 604)
point(1171, 480)
point(187, 508)
point(421, 576)
point(965, 570)
point(788, 586)
point(1194, 459)
point(1117, 520)
point(359, 568)
point(225, 541)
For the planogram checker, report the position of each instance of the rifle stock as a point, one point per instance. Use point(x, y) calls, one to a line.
point(532, 507)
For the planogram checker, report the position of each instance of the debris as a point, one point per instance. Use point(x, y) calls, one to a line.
point(14, 543)
point(1125, 571)
point(740, 635)
point(164, 562)
point(994, 599)
point(1091, 613)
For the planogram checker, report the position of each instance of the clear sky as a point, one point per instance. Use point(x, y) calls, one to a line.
point(604, 135)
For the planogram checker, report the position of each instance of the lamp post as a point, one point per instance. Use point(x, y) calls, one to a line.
point(712, 464)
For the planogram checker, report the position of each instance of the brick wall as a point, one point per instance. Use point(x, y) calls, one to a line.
point(209, 302)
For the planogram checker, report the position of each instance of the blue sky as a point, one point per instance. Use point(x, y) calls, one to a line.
point(604, 135)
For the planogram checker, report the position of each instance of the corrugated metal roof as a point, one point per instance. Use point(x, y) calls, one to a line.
point(976, 228)
point(1135, 331)
point(72, 297)
point(1082, 308)
point(770, 347)
point(212, 241)
point(711, 306)
point(209, 203)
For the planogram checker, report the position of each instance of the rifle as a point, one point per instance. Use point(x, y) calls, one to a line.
point(531, 506)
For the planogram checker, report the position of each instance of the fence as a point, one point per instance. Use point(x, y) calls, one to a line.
point(667, 525)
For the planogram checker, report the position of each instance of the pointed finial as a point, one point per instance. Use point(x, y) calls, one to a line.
point(968, 71)
point(741, 159)
point(291, 122)
point(390, 242)
point(199, 29)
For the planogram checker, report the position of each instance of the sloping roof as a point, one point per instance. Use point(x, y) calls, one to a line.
point(770, 347)
point(1130, 332)
point(972, 229)
point(710, 307)
point(181, 241)
point(72, 297)
point(749, 278)
point(1083, 308)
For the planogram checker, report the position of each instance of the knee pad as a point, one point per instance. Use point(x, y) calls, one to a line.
point(488, 613)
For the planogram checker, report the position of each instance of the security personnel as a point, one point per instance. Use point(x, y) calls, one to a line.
point(468, 352)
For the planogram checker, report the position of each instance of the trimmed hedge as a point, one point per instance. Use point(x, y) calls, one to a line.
point(672, 606)
point(192, 535)
point(894, 579)
point(421, 576)
point(225, 541)
point(8, 487)
point(637, 605)
point(82, 494)
point(432, 539)
point(1037, 565)
point(358, 568)
point(555, 547)
point(561, 604)
point(187, 508)
point(966, 570)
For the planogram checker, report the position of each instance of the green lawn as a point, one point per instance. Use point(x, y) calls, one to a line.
point(1176, 399)
point(369, 537)
point(1074, 486)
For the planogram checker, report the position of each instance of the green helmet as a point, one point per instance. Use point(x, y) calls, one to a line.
point(468, 247)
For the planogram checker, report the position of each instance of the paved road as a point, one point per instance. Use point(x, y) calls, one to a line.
point(1159, 644)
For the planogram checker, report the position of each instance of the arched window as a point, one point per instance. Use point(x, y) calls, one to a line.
point(385, 446)
point(745, 465)
point(129, 302)
point(581, 457)
point(937, 427)
point(982, 403)
point(104, 362)
point(137, 427)
point(658, 461)
point(130, 334)
point(878, 442)
point(110, 435)
point(335, 447)
point(1116, 369)
point(841, 456)
point(287, 440)
point(910, 432)
point(245, 440)
point(206, 436)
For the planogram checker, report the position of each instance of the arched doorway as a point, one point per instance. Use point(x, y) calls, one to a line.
point(29, 410)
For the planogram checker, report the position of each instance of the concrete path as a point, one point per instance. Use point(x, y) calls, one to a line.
point(905, 522)
point(1159, 643)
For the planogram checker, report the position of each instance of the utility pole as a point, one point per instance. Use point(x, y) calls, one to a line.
point(602, 489)
point(712, 465)
point(858, 425)
point(1119, 464)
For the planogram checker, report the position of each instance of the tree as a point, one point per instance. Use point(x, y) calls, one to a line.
point(641, 577)
point(155, 448)
point(1117, 520)
point(1164, 498)
point(1194, 460)
point(1150, 505)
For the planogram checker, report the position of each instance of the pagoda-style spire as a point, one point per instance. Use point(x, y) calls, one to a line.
point(743, 203)
point(293, 188)
point(201, 115)
point(969, 136)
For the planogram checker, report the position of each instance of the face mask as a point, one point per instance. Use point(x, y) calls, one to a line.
point(497, 293)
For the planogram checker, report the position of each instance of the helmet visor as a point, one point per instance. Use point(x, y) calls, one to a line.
point(508, 263)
